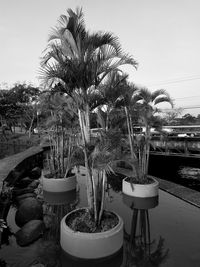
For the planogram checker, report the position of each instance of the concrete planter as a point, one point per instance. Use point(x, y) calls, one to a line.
point(91, 245)
point(140, 203)
point(59, 190)
point(140, 190)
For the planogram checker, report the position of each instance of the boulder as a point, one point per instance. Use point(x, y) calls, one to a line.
point(35, 173)
point(30, 232)
point(34, 184)
point(18, 192)
point(24, 182)
point(30, 209)
point(21, 198)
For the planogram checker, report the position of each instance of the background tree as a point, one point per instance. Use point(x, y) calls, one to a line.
point(18, 105)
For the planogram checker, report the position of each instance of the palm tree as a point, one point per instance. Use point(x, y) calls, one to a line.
point(111, 90)
point(144, 102)
point(80, 62)
point(147, 103)
point(61, 125)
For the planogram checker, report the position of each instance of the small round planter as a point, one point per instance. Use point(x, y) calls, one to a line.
point(91, 245)
point(59, 190)
point(140, 190)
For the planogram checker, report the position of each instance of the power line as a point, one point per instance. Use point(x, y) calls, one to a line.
point(189, 107)
point(180, 80)
point(187, 97)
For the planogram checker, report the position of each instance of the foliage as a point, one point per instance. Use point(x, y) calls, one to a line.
point(144, 102)
point(61, 128)
point(18, 105)
point(2, 225)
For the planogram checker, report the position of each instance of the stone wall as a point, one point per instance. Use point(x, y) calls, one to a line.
point(14, 167)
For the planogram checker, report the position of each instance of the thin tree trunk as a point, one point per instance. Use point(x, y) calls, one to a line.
point(90, 193)
point(29, 130)
point(107, 118)
point(133, 155)
point(102, 196)
point(62, 149)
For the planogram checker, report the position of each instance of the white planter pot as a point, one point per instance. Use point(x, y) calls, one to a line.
point(91, 245)
point(140, 190)
point(59, 191)
point(59, 184)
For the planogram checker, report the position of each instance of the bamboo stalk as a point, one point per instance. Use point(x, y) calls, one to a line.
point(90, 192)
point(102, 196)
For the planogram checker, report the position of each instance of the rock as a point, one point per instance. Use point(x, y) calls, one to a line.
point(18, 192)
point(30, 232)
point(24, 182)
point(34, 184)
point(35, 173)
point(22, 197)
point(29, 209)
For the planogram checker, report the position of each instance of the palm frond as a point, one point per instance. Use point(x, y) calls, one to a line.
point(161, 99)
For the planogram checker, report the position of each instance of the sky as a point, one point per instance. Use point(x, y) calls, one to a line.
point(162, 35)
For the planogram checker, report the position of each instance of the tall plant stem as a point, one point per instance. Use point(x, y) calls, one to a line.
point(148, 150)
point(68, 156)
point(90, 189)
point(134, 157)
point(62, 150)
point(129, 132)
point(102, 196)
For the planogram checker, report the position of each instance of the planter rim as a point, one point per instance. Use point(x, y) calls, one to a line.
point(66, 178)
point(59, 184)
point(155, 182)
point(92, 235)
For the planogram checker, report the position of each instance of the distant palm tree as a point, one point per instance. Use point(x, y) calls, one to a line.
point(61, 125)
point(146, 103)
point(80, 62)
point(111, 90)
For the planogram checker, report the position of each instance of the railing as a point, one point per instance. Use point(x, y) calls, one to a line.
point(183, 146)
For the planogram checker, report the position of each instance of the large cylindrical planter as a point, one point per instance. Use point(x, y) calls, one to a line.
point(91, 245)
point(59, 190)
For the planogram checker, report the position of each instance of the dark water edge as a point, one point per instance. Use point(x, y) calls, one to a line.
point(181, 170)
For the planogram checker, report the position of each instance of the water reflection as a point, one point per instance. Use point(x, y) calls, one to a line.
point(113, 261)
point(53, 213)
point(59, 198)
point(139, 249)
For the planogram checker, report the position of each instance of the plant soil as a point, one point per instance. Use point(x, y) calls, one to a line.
point(134, 180)
point(82, 221)
point(54, 175)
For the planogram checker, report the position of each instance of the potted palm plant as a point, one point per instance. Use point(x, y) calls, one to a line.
point(139, 184)
point(60, 127)
point(81, 63)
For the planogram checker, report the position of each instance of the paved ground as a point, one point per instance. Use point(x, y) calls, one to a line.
point(187, 194)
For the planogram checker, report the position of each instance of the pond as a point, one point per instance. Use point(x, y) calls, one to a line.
point(166, 235)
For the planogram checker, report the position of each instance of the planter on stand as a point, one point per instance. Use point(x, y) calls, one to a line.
point(140, 196)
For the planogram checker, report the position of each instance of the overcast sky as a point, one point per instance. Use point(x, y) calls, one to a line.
point(162, 35)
